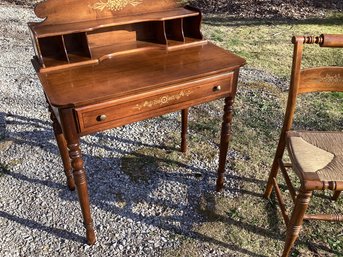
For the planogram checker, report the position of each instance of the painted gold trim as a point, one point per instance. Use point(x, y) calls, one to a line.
point(115, 5)
point(332, 79)
point(163, 100)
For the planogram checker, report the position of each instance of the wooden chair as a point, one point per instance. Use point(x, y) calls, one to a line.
point(316, 157)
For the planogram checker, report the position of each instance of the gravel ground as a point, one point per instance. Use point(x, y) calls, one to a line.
point(40, 217)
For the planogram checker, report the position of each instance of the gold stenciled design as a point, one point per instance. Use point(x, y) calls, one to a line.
point(115, 5)
point(164, 99)
point(332, 79)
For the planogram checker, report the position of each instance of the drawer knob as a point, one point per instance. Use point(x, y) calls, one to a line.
point(217, 88)
point(102, 117)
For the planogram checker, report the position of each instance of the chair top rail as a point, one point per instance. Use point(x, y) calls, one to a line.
point(324, 40)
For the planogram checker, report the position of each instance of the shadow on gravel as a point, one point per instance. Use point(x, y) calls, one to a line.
point(2, 125)
point(35, 225)
point(47, 183)
point(104, 187)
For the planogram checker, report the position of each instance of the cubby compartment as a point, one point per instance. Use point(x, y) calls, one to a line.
point(191, 29)
point(61, 46)
point(126, 38)
point(53, 51)
point(174, 32)
point(77, 47)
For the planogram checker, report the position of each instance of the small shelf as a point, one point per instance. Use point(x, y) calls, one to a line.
point(126, 38)
point(77, 57)
point(172, 43)
point(54, 61)
point(42, 30)
point(111, 50)
point(89, 42)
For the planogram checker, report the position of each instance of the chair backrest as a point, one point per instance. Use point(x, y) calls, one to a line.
point(317, 79)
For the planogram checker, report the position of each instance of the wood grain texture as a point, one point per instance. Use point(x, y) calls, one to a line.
point(156, 101)
point(332, 40)
point(119, 77)
point(63, 45)
point(43, 30)
point(63, 11)
point(321, 79)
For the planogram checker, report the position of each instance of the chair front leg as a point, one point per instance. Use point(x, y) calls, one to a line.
point(296, 221)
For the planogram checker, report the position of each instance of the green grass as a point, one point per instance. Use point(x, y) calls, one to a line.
point(249, 225)
point(267, 44)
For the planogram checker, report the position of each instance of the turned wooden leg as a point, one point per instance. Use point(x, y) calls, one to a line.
point(224, 141)
point(62, 146)
point(336, 195)
point(184, 121)
point(73, 143)
point(296, 221)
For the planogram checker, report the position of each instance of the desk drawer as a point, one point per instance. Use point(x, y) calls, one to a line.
point(114, 113)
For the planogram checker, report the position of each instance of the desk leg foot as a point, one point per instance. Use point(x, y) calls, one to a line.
point(184, 125)
point(82, 190)
point(62, 146)
point(79, 173)
point(224, 141)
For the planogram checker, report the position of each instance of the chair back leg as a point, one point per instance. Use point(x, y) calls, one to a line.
point(275, 167)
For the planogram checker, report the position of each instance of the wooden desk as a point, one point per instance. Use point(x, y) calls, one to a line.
point(119, 62)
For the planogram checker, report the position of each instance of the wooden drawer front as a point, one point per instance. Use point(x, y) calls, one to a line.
point(107, 115)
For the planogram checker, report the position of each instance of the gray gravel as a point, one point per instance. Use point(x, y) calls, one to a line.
point(40, 217)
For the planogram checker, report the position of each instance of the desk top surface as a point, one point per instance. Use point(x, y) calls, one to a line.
point(135, 73)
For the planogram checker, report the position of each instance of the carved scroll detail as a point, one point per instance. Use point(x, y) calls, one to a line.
point(115, 5)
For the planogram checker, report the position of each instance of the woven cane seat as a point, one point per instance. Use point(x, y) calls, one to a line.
point(316, 155)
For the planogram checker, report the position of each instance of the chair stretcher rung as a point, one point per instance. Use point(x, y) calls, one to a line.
point(287, 165)
point(327, 217)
